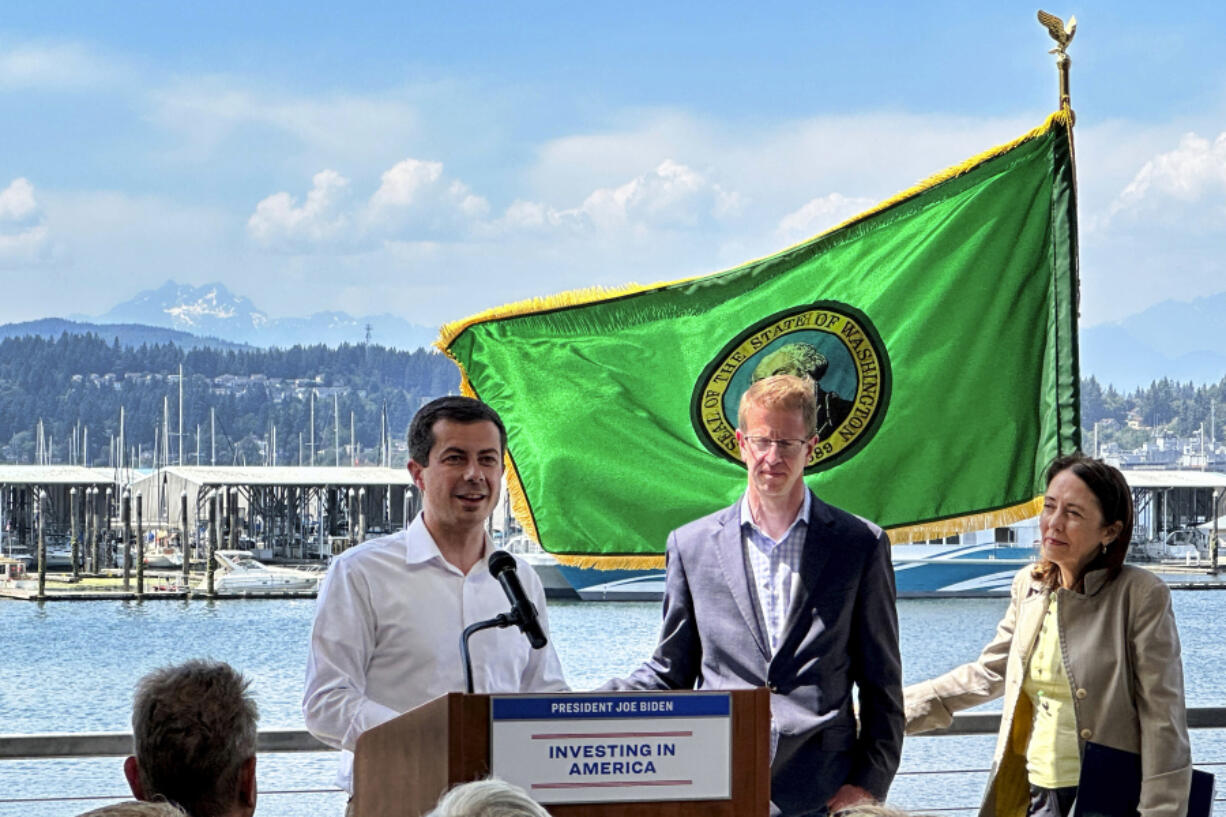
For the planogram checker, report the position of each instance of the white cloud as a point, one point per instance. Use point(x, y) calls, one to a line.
point(54, 66)
point(414, 201)
point(24, 237)
point(1183, 180)
point(819, 215)
point(413, 194)
point(417, 202)
point(671, 197)
point(1152, 201)
point(279, 222)
point(17, 204)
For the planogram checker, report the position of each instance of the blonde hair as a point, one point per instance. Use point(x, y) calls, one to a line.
point(488, 798)
point(781, 391)
point(875, 810)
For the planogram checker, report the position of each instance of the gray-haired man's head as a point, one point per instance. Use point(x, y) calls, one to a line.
point(194, 729)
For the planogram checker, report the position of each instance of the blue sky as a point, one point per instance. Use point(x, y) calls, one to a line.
point(435, 160)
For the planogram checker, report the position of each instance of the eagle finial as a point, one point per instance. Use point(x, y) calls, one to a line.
point(1061, 33)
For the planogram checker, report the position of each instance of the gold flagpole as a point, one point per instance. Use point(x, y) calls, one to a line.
point(1063, 35)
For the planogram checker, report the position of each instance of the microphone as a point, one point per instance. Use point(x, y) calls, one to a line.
point(523, 611)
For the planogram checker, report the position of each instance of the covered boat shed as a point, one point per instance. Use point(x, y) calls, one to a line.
point(1170, 500)
point(283, 511)
point(60, 491)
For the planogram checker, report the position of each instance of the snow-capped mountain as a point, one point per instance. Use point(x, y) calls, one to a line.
point(205, 310)
point(212, 310)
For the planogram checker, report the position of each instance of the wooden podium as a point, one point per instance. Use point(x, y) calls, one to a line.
point(402, 767)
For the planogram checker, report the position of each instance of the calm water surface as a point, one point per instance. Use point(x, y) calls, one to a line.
point(70, 667)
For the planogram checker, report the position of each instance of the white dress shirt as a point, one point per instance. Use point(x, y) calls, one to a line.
point(386, 637)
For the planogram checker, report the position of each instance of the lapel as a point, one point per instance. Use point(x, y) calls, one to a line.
point(736, 573)
point(818, 544)
point(1030, 618)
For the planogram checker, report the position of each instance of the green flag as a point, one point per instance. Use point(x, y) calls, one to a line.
point(940, 327)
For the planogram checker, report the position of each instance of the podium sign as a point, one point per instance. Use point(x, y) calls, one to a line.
point(614, 747)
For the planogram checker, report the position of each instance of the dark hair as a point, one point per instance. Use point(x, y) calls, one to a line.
point(1114, 500)
point(194, 726)
point(458, 409)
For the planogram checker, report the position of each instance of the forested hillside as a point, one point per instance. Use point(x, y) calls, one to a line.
point(76, 382)
point(1129, 419)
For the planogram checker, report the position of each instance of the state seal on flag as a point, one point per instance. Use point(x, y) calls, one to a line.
point(833, 344)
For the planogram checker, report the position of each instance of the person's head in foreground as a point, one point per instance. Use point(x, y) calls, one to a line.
point(194, 729)
point(876, 810)
point(137, 808)
point(1086, 523)
point(488, 798)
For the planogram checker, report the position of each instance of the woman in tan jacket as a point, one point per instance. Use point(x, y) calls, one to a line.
point(1087, 651)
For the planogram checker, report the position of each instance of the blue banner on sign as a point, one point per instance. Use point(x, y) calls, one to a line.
point(545, 707)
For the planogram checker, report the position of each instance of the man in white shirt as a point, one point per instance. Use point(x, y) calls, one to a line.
point(388, 619)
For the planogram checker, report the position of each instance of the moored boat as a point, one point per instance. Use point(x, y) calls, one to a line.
point(240, 573)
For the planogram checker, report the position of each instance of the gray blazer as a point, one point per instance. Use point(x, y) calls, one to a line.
point(841, 629)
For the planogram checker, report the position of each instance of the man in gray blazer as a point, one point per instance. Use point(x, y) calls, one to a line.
point(784, 591)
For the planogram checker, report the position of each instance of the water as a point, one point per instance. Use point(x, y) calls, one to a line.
point(71, 667)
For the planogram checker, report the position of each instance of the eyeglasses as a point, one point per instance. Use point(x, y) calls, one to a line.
point(787, 448)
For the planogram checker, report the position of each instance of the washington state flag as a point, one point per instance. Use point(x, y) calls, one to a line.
point(939, 326)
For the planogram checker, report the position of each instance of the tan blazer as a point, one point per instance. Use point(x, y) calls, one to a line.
point(1121, 656)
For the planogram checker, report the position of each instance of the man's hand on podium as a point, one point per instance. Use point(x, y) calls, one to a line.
point(848, 796)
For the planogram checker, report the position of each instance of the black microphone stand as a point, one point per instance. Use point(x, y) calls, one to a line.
point(511, 619)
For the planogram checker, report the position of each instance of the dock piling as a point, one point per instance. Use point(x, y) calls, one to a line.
point(125, 544)
point(42, 546)
point(140, 548)
point(184, 543)
point(209, 561)
point(75, 510)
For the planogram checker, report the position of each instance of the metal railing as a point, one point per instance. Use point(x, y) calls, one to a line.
point(118, 744)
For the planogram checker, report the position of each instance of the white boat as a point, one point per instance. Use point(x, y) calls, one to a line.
point(58, 557)
point(163, 557)
point(546, 566)
point(952, 570)
point(239, 572)
point(13, 573)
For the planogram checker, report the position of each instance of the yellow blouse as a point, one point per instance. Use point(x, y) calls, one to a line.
point(1053, 759)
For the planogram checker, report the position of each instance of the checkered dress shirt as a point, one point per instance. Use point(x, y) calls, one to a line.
point(773, 566)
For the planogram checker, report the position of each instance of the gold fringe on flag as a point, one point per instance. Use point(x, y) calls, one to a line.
point(611, 562)
point(941, 528)
point(578, 297)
